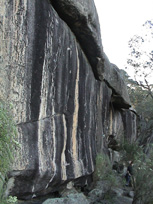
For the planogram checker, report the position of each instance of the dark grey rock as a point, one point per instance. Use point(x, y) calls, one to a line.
point(96, 195)
point(111, 75)
point(64, 115)
point(104, 194)
point(70, 199)
point(81, 16)
point(130, 120)
point(123, 199)
point(117, 191)
point(129, 193)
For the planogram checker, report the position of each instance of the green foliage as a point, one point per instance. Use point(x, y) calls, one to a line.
point(143, 178)
point(142, 102)
point(143, 172)
point(140, 58)
point(141, 88)
point(8, 143)
point(10, 200)
point(7, 138)
point(140, 98)
point(129, 151)
point(103, 171)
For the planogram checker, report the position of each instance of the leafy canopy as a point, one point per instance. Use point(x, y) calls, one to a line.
point(140, 58)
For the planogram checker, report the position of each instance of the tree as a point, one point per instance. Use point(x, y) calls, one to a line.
point(142, 171)
point(141, 57)
point(140, 61)
point(142, 102)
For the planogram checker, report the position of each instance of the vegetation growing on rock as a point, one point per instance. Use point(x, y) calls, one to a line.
point(8, 144)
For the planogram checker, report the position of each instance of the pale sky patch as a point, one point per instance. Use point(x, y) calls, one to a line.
point(120, 20)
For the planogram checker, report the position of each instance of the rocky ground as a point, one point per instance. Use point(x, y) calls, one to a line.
point(100, 194)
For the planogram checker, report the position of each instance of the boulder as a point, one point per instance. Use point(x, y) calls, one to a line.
point(70, 199)
point(123, 199)
point(95, 195)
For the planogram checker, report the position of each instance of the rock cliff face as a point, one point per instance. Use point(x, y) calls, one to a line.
point(67, 97)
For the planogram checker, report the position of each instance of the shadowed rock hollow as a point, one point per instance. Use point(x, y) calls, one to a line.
point(67, 97)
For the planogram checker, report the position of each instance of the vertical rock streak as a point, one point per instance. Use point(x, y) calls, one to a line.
point(43, 110)
point(90, 134)
point(63, 158)
point(111, 123)
point(76, 164)
point(47, 153)
point(44, 91)
point(53, 93)
point(54, 149)
point(40, 27)
point(41, 154)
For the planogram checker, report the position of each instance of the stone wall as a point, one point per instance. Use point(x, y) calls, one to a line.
point(67, 98)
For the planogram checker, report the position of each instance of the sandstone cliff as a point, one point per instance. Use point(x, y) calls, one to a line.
point(67, 97)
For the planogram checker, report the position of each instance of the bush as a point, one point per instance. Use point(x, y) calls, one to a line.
point(129, 151)
point(7, 142)
point(9, 200)
point(103, 171)
point(143, 172)
point(143, 176)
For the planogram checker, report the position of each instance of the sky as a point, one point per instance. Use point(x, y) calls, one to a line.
point(119, 21)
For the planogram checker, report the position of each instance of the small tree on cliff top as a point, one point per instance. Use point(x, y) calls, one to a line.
point(143, 103)
point(141, 57)
point(140, 88)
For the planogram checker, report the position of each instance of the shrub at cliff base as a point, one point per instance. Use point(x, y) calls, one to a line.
point(129, 151)
point(104, 172)
point(8, 145)
point(143, 178)
point(143, 171)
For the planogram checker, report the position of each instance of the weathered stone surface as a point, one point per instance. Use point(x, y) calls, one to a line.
point(96, 195)
point(53, 91)
point(70, 199)
point(130, 120)
point(123, 199)
point(63, 114)
point(81, 16)
point(111, 75)
point(106, 194)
